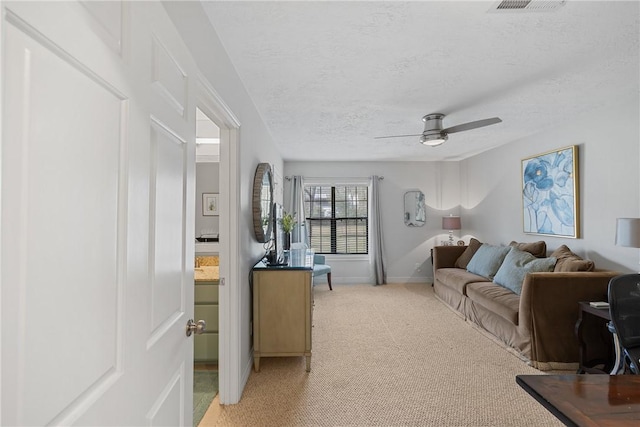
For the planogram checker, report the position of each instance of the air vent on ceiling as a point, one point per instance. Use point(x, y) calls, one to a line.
point(527, 5)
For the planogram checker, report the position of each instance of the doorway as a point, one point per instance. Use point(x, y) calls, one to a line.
point(207, 263)
point(231, 375)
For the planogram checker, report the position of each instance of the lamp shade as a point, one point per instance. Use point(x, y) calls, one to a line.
point(628, 232)
point(451, 223)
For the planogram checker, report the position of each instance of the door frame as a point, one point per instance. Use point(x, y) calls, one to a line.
point(229, 370)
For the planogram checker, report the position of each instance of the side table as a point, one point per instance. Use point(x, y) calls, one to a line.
point(595, 342)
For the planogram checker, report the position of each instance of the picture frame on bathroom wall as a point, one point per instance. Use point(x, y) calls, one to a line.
point(550, 193)
point(210, 204)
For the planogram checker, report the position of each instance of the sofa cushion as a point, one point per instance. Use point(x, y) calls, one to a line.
point(457, 278)
point(568, 261)
point(515, 267)
point(537, 249)
point(463, 260)
point(487, 260)
point(495, 298)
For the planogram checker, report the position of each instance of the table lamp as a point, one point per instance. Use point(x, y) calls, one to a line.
point(628, 232)
point(451, 223)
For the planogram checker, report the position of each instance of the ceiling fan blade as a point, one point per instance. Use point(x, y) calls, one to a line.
point(472, 125)
point(395, 136)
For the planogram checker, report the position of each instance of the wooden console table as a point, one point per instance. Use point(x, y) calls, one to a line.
point(282, 311)
point(587, 400)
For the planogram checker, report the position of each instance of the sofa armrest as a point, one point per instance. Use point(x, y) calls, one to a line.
point(549, 310)
point(446, 256)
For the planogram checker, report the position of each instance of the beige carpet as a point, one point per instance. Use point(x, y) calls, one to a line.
point(385, 356)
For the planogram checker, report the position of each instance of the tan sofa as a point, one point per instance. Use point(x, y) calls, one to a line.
point(539, 323)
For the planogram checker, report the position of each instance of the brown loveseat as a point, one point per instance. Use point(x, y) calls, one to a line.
point(539, 323)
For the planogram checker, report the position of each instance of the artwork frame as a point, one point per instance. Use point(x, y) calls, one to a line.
point(210, 204)
point(550, 193)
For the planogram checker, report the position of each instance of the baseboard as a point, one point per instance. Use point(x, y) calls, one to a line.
point(413, 279)
point(371, 280)
point(345, 281)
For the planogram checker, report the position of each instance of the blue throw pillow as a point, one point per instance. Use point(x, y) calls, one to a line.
point(515, 267)
point(487, 260)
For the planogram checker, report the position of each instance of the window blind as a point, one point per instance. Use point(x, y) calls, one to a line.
point(338, 218)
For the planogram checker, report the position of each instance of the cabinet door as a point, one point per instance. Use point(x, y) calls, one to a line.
point(206, 294)
point(205, 347)
point(208, 313)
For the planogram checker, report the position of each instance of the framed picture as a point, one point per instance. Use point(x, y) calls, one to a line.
point(550, 193)
point(210, 205)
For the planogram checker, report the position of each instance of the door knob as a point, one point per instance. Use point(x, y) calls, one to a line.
point(196, 327)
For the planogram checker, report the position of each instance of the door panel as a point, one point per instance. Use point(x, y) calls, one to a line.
point(53, 289)
point(168, 78)
point(167, 179)
point(168, 409)
point(107, 21)
point(97, 174)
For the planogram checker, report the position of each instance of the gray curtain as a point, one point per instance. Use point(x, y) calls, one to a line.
point(377, 244)
point(296, 208)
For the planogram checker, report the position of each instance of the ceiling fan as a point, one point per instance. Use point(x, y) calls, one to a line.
point(434, 135)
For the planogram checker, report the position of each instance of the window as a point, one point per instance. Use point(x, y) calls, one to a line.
point(338, 218)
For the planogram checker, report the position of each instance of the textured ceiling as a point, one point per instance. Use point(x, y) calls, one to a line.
point(327, 77)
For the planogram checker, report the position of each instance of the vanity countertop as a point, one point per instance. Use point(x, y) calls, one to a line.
point(206, 273)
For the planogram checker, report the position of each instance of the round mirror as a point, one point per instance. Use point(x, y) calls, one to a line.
point(262, 202)
point(415, 209)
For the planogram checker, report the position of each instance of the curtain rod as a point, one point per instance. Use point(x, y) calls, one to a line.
point(288, 178)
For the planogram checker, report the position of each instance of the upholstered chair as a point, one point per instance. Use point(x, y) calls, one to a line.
point(320, 268)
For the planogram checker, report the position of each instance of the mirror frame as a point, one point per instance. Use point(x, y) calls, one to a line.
point(411, 207)
point(262, 233)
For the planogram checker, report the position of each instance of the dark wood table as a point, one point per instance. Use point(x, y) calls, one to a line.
point(587, 400)
point(595, 342)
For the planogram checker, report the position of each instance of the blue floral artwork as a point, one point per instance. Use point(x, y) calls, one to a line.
point(549, 193)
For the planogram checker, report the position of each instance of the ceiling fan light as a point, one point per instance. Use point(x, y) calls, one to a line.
point(433, 140)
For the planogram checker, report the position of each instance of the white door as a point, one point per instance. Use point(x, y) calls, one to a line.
point(97, 215)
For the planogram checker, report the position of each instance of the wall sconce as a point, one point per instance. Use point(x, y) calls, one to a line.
point(451, 223)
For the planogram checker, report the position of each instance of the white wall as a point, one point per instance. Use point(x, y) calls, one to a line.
point(407, 249)
point(207, 181)
point(256, 146)
point(609, 156)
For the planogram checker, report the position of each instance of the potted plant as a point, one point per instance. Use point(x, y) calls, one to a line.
point(288, 222)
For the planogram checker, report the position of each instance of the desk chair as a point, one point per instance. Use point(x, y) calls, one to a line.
point(624, 306)
point(320, 268)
